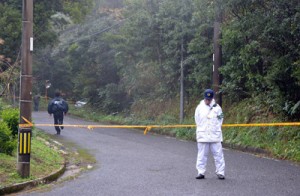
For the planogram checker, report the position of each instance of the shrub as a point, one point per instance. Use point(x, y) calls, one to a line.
point(11, 117)
point(112, 98)
point(7, 141)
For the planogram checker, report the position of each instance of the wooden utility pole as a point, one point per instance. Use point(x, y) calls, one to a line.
point(217, 57)
point(24, 141)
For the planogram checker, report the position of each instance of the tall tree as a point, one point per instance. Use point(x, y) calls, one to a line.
point(201, 48)
point(262, 53)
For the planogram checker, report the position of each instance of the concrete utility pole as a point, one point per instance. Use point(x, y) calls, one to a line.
point(217, 57)
point(24, 141)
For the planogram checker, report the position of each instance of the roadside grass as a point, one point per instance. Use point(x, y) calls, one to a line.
point(47, 157)
point(44, 160)
point(280, 142)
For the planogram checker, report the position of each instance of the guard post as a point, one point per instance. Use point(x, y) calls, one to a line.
point(24, 135)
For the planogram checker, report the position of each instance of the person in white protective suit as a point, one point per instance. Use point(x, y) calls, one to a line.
point(209, 119)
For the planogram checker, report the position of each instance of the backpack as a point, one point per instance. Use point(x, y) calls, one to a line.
point(58, 106)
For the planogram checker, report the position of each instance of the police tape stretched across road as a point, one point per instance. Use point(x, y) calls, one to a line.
point(90, 127)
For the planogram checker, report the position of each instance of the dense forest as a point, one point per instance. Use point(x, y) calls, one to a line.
point(125, 56)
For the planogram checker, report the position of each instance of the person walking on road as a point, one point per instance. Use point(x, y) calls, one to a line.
point(36, 102)
point(209, 119)
point(58, 107)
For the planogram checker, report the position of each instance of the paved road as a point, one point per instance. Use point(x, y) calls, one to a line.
point(129, 163)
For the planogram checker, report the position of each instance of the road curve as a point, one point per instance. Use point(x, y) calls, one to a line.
point(130, 163)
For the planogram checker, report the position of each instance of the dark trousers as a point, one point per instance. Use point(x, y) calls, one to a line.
point(36, 106)
point(58, 120)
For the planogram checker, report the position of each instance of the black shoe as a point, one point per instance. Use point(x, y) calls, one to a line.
point(200, 176)
point(62, 127)
point(221, 177)
point(58, 132)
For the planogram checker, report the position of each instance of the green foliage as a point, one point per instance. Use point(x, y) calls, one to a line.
point(281, 142)
point(142, 54)
point(199, 59)
point(149, 46)
point(7, 142)
point(8, 128)
point(78, 9)
point(184, 133)
point(113, 99)
point(11, 117)
point(10, 18)
point(261, 53)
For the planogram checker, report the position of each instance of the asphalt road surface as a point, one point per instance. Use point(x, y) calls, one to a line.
point(130, 163)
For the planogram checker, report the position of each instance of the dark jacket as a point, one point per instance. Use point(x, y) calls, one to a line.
point(58, 106)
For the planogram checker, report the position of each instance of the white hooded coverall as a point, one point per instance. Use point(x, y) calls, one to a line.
point(209, 136)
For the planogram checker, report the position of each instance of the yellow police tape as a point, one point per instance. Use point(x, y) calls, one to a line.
point(149, 127)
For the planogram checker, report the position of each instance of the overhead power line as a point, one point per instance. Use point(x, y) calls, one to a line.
point(101, 31)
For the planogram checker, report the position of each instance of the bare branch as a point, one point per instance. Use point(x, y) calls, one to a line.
point(10, 73)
